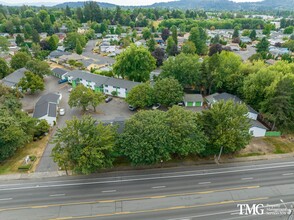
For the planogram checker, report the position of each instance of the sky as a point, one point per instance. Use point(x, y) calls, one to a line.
point(117, 2)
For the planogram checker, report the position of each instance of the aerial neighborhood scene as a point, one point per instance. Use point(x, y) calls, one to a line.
point(150, 110)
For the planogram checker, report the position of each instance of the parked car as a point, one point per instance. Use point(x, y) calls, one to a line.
point(108, 99)
point(132, 108)
point(62, 81)
point(61, 111)
point(156, 106)
point(181, 104)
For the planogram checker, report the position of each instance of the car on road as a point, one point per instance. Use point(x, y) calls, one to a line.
point(108, 99)
point(62, 81)
point(156, 106)
point(132, 108)
point(61, 111)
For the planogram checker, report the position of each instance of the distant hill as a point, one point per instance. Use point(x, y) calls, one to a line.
point(81, 4)
point(227, 5)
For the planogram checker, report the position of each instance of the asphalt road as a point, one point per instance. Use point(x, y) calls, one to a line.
point(203, 192)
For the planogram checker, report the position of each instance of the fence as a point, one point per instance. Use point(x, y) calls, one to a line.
point(273, 134)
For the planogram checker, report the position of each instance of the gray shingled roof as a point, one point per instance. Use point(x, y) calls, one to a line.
point(14, 78)
point(46, 105)
point(56, 53)
point(255, 123)
point(226, 96)
point(193, 98)
point(102, 80)
point(59, 71)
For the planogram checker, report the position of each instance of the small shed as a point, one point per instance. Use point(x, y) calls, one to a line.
point(195, 100)
point(59, 73)
point(257, 129)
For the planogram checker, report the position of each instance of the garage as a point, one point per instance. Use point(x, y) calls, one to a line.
point(193, 100)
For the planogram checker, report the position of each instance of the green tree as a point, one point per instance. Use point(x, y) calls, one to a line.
point(226, 127)
point(146, 33)
point(71, 40)
point(35, 36)
point(174, 34)
point(141, 95)
point(84, 146)
point(235, 33)
point(19, 60)
point(262, 46)
point(38, 67)
point(41, 128)
point(289, 44)
point(4, 68)
point(83, 97)
point(289, 30)
point(253, 34)
point(31, 82)
point(146, 138)
point(151, 43)
point(198, 37)
point(170, 46)
point(4, 44)
point(52, 43)
point(135, 63)
point(78, 49)
point(185, 68)
point(189, 48)
point(168, 91)
point(19, 40)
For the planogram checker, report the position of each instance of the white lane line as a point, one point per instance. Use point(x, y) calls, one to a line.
point(202, 183)
point(288, 174)
point(247, 178)
point(158, 187)
point(57, 195)
point(171, 176)
point(5, 199)
point(108, 191)
point(204, 215)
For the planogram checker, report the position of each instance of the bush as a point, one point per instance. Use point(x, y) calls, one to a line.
point(32, 157)
point(114, 93)
point(25, 167)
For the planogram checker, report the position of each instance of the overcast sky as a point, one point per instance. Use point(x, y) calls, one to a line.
point(118, 2)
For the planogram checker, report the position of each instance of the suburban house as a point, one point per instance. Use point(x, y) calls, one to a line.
point(193, 100)
point(59, 73)
point(13, 79)
point(46, 107)
point(257, 129)
point(107, 85)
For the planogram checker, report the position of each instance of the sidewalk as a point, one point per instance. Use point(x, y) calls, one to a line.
point(39, 175)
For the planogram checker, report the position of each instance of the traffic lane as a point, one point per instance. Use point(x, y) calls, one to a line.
point(38, 195)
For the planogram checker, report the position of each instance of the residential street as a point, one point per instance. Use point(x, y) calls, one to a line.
point(202, 192)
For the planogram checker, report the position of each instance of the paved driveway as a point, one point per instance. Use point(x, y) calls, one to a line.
point(247, 53)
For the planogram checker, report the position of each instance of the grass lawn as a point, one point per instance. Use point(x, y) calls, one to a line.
point(34, 148)
point(282, 145)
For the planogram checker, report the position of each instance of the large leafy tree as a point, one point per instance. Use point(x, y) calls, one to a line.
point(184, 67)
point(4, 44)
point(146, 33)
point(71, 40)
point(84, 145)
point(198, 37)
point(19, 60)
point(174, 34)
point(83, 97)
point(146, 138)
point(189, 48)
point(158, 54)
point(262, 46)
point(168, 91)
point(165, 34)
point(38, 67)
point(141, 95)
point(31, 82)
point(135, 63)
point(226, 126)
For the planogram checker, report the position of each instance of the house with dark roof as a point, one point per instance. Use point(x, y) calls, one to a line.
point(59, 73)
point(257, 129)
point(13, 79)
point(195, 100)
point(105, 84)
point(46, 107)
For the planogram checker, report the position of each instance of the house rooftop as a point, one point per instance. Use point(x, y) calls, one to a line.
point(255, 123)
point(59, 71)
point(14, 78)
point(46, 105)
point(193, 98)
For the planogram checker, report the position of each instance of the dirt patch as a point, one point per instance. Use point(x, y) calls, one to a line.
point(282, 145)
point(258, 146)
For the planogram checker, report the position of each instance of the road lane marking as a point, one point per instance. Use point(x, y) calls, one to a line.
point(134, 198)
point(158, 187)
point(5, 199)
point(202, 183)
point(157, 197)
point(203, 215)
point(165, 209)
point(149, 178)
point(57, 195)
point(39, 207)
point(108, 191)
point(247, 178)
point(288, 174)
